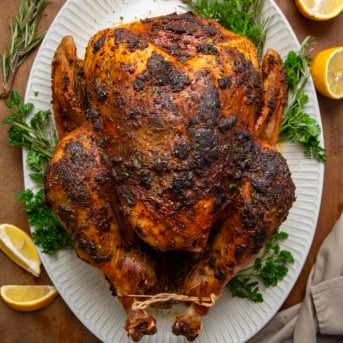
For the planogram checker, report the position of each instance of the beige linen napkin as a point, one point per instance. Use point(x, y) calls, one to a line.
point(319, 318)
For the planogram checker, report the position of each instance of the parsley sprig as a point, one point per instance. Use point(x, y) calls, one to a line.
point(49, 234)
point(40, 139)
point(270, 268)
point(297, 125)
point(243, 17)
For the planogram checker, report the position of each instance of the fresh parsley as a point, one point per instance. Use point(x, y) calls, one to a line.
point(49, 234)
point(297, 125)
point(270, 268)
point(40, 139)
point(244, 287)
point(243, 17)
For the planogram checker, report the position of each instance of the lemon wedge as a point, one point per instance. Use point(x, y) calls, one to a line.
point(327, 72)
point(28, 298)
point(319, 10)
point(18, 246)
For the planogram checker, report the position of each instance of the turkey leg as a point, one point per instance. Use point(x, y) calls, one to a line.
point(79, 189)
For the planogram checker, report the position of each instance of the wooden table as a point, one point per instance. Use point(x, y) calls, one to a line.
point(56, 323)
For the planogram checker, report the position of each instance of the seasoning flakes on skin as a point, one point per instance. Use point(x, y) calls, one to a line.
point(160, 73)
point(129, 38)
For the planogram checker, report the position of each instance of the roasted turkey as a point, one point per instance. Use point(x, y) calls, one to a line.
point(166, 174)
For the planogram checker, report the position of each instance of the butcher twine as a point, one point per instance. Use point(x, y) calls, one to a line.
point(163, 297)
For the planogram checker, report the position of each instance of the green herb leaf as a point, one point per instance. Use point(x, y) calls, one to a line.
point(49, 235)
point(297, 125)
point(37, 177)
point(37, 136)
point(243, 287)
point(40, 120)
point(280, 235)
point(275, 269)
point(38, 163)
point(270, 268)
point(13, 100)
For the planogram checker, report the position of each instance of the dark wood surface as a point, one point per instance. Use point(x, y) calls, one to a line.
point(56, 323)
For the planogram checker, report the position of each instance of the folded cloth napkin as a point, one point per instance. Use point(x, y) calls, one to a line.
point(319, 318)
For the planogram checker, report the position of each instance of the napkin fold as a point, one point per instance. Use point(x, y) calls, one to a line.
point(319, 318)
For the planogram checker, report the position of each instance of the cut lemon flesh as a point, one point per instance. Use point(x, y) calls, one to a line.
point(320, 9)
point(18, 246)
point(327, 72)
point(28, 298)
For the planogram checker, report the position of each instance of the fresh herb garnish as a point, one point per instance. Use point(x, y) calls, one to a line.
point(244, 287)
point(297, 125)
point(40, 139)
point(49, 234)
point(24, 38)
point(243, 17)
point(270, 268)
point(36, 135)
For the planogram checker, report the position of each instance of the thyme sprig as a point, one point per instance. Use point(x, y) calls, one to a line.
point(23, 39)
point(297, 125)
point(297, 67)
point(37, 135)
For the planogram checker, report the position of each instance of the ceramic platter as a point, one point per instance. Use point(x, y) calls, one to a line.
point(82, 287)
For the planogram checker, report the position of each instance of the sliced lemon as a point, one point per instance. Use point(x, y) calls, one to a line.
point(327, 72)
point(28, 298)
point(319, 10)
point(18, 246)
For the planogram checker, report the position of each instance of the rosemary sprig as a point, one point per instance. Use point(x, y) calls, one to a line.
point(24, 38)
point(243, 17)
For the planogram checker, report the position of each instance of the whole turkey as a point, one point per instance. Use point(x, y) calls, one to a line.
point(166, 174)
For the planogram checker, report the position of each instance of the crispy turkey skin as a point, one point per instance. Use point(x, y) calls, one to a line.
point(167, 130)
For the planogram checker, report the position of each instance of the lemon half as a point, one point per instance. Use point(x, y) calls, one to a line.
point(18, 246)
point(319, 10)
point(327, 72)
point(28, 298)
